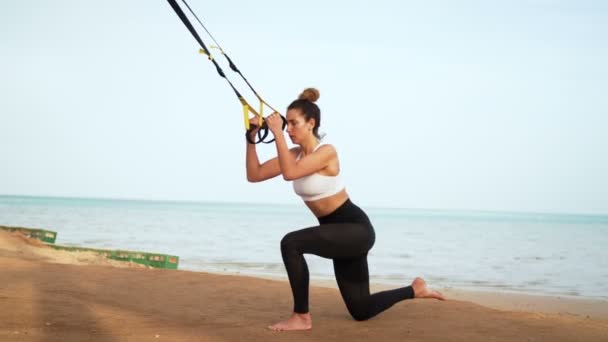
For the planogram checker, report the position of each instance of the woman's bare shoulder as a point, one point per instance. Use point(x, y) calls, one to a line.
point(327, 148)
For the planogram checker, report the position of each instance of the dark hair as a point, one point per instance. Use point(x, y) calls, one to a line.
point(306, 104)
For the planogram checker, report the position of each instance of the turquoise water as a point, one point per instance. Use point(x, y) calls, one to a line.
point(532, 253)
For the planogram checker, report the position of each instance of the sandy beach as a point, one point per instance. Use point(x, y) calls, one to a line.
point(48, 295)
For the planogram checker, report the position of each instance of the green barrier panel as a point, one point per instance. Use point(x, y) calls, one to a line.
point(39, 234)
point(148, 259)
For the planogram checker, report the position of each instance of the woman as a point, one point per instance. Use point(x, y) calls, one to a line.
point(344, 234)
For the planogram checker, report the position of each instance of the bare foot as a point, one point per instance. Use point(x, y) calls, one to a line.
point(422, 291)
point(295, 322)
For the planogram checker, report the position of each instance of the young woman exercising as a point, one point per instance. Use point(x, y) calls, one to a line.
point(344, 234)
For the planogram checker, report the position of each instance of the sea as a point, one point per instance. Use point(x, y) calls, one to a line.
point(534, 253)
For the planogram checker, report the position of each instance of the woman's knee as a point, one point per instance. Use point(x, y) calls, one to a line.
point(289, 242)
point(359, 313)
point(357, 307)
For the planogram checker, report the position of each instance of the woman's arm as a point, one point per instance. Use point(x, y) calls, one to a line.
point(257, 172)
point(312, 163)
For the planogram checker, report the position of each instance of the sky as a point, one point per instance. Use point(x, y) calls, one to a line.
point(458, 105)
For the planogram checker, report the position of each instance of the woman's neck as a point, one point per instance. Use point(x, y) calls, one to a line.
point(308, 146)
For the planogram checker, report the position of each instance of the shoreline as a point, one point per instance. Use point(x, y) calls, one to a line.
point(53, 295)
point(593, 308)
point(323, 279)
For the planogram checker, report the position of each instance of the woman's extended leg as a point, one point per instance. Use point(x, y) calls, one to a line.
point(353, 280)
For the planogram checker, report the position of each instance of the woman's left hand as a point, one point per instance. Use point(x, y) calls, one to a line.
point(275, 123)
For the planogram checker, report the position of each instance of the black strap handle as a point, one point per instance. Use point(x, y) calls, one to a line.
point(262, 132)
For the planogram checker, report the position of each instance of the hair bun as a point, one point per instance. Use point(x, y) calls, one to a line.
point(310, 94)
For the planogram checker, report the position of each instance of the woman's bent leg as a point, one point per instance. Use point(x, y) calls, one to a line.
point(340, 240)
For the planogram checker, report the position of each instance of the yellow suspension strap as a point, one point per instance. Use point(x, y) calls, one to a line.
point(263, 131)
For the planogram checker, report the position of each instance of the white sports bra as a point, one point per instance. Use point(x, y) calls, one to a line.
point(315, 186)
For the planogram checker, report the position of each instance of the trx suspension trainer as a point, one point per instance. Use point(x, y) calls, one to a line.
point(263, 131)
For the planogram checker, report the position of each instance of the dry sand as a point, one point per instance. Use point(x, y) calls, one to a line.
point(84, 298)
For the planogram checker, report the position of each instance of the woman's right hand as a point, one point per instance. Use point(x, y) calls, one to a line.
point(254, 127)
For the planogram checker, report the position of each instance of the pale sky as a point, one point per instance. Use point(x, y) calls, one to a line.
point(473, 105)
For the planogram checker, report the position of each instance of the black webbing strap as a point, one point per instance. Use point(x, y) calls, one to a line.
point(263, 131)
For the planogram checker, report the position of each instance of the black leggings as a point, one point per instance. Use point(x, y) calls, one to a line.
point(346, 235)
